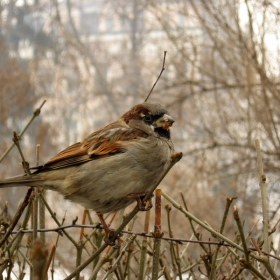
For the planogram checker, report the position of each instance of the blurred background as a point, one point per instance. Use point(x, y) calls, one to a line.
point(92, 60)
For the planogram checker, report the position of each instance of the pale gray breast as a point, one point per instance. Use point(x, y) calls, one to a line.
point(107, 181)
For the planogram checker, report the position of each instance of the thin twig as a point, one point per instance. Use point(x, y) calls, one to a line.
point(277, 253)
point(262, 183)
point(35, 201)
point(12, 241)
point(79, 250)
point(252, 269)
point(98, 226)
point(174, 254)
point(87, 262)
point(157, 234)
point(191, 223)
point(172, 251)
point(49, 260)
point(83, 222)
point(241, 233)
point(58, 223)
point(229, 200)
point(118, 259)
point(17, 216)
point(202, 224)
point(35, 114)
point(177, 240)
point(42, 213)
point(162, 69)
point(144, 246)
point(163, 265)
point(264, 259)
point(25, 164)
point(274, 227)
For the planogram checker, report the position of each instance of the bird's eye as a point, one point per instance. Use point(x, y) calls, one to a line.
point(148, 118)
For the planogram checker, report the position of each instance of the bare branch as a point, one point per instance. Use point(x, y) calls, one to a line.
point(162, 69)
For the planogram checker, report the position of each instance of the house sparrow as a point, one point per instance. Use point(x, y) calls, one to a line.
point(111, 167)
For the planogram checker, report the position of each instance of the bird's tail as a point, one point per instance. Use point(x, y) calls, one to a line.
point(18, 181)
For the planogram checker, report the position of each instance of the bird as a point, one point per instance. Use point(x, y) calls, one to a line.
point(111, 167)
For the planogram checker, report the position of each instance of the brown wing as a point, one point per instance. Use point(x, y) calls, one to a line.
point(105, 142)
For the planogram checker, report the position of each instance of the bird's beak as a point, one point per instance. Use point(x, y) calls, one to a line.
point(164, 122)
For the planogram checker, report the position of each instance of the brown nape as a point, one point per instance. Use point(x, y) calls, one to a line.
point(135, 113)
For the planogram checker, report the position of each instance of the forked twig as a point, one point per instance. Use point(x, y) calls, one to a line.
point(35, 114)
point(162, 69)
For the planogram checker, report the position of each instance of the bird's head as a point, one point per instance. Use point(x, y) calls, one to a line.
point(151, 118)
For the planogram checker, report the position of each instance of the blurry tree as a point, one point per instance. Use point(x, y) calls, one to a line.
point(92, 60)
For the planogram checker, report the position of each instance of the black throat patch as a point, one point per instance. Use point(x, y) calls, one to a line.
point(163, 132)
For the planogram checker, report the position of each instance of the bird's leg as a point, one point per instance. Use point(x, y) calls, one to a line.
point(139, 198)
point(109, 233)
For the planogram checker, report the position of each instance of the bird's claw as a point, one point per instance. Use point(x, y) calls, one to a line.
point(141, 204)
point(109, 234)
point(108, 239)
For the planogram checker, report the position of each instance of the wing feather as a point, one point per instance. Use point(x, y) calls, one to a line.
point(105, 142)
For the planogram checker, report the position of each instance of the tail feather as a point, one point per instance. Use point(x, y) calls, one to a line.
point(17, 181)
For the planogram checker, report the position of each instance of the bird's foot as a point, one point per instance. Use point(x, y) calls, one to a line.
point(109, 234)
point(142, 205)
point(110, 240)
